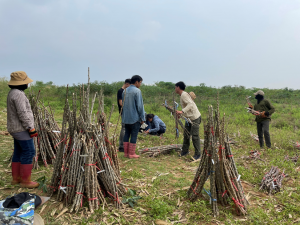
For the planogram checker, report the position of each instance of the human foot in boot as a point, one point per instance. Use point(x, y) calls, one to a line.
point(132, 154)
point(15, 170)
point(26, 182)
point(126, 149)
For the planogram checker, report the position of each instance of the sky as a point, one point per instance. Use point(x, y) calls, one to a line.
point(253, 43)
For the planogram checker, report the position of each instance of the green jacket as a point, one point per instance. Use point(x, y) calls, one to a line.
point(266, 106)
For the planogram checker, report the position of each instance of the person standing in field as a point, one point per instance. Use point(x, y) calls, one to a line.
point(263, 120)
point(189, 110)
point(120, 104)
point(133, 115)
point(20, 124)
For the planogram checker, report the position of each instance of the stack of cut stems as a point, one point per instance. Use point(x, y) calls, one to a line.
point(296, 145)
point(158, 150)
point(272, 181)
point(254, 154)
point(293, 159)
point(87, 168)
point(254, 136)
point(47, 141)
point(217, 163)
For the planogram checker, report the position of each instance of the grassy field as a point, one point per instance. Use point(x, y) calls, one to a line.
point(164, 196)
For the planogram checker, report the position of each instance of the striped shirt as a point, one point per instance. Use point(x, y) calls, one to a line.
point(19, 113)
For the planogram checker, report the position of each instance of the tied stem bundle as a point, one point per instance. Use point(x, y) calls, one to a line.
point(47, 141)
point(217, 164)
point(87, 165)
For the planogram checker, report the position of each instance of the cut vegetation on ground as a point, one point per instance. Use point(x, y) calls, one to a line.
point(162, 182)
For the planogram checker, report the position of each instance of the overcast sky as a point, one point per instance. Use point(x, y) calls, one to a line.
point(254, 43)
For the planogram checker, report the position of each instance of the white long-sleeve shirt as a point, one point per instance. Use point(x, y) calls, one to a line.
point(189, 107)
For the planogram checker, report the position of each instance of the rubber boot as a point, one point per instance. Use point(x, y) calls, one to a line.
point(15, 170)
point(126, 149)
point(26, 176)
point(132, 154)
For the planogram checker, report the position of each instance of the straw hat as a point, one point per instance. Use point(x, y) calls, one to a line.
point(19, 78)
point(192, 94)
point(260, 92)
point(38, 220)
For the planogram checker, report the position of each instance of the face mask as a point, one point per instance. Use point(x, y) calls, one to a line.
point(20, 87)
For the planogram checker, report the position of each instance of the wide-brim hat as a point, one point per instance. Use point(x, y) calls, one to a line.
point(192, 94)
point(260, 92)
point(19, 78)
point(38, 220)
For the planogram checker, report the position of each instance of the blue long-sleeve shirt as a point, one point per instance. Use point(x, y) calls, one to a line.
point(157, 123)
point(133, 106)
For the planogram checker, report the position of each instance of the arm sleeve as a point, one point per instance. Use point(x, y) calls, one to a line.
point(119, 95)
point(188, 101)
point(24, 112)
point(140, 106)
point(156, 124)
point(270, 107)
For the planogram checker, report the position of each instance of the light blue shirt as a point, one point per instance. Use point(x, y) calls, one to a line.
point(157, 123)
point(133, 106)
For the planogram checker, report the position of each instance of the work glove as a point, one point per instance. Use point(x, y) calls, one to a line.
point(263, 115)
point(33, 133)
point(267, 114)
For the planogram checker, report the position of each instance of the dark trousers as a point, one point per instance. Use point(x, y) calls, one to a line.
point(24, 151)
point(121, 138)
point(131, 131)
point(194, 132)
point(263, 130)
point(161, 130)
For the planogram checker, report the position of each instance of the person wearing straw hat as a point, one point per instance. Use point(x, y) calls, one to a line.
point(263, 120)
point(20, 124)
point(190, 111)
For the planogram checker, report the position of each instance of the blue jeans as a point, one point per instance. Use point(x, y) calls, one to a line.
point(132, 130)
point(24, 151)
point(161, 130)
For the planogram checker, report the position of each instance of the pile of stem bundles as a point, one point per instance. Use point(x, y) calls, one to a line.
point(47, 141)
point(86, 169)
point(158, 150)
point(272, 181)
point(217, 163)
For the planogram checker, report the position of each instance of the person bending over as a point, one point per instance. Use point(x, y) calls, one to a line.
point(133, 115)
point(155, 125)
point(120, 104)
point(189, 110)
point(20, 124)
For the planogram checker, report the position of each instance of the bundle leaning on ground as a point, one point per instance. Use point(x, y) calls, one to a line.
point(47, 141)
point(217, 163)
point(157, 150)
point(87, 167)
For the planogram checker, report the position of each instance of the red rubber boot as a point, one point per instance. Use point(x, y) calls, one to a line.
point(126, 149)
point(132, 154)
point(26, 176)
point(15, 171)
